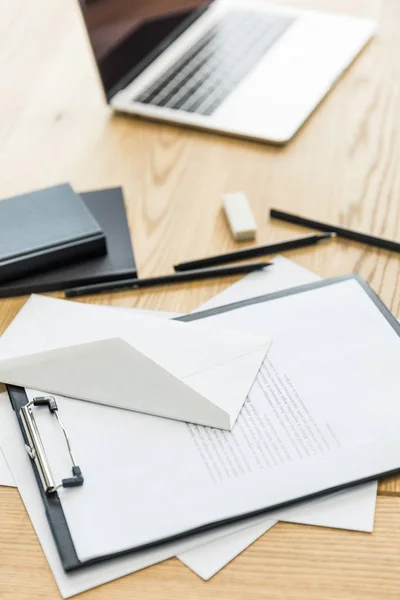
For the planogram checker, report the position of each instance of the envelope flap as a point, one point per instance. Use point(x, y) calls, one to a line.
point(111, 372)
point(219, 365)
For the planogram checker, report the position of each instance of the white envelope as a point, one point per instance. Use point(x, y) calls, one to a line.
point(165, 368)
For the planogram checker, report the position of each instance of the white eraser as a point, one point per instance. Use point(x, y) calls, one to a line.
point(240, 217)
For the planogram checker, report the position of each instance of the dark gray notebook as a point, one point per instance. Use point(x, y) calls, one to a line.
point(44, 229)
point(107, 206)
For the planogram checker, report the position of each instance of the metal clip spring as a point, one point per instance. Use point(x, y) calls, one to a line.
point(36, 449)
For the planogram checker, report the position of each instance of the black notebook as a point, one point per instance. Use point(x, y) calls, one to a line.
point(44, 229)
point(107, 207)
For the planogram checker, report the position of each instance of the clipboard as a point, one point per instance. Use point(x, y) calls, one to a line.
point(49, 494)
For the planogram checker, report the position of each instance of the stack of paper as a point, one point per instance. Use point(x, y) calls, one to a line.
point(204, 373)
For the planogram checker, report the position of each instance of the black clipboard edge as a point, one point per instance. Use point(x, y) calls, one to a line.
point(297, 290)
point(55, 514)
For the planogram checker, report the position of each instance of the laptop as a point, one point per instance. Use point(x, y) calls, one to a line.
point(241, 67)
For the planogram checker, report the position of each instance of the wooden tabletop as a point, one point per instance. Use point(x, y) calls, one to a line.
point(342, 167)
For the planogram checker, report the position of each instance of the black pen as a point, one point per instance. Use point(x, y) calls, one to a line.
point(349, 234)
point(133, 284)
point(253, 251)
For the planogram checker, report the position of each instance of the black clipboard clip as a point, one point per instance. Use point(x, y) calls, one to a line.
point(36, 450)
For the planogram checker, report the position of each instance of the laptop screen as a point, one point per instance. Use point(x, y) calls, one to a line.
point(125, 33)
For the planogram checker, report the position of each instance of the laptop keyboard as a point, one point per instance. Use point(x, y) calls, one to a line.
point(216, 64)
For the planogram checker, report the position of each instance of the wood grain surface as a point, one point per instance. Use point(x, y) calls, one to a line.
point(342, 167)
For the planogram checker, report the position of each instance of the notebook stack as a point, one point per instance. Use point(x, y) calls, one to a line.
point(54, 238)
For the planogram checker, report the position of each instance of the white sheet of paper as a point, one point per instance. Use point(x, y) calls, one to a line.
point(281, 275)
point(6, 478)
point(79, 581)
point(122, 359)
point(207, 559)
point(353, 509)
point(237, 472)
